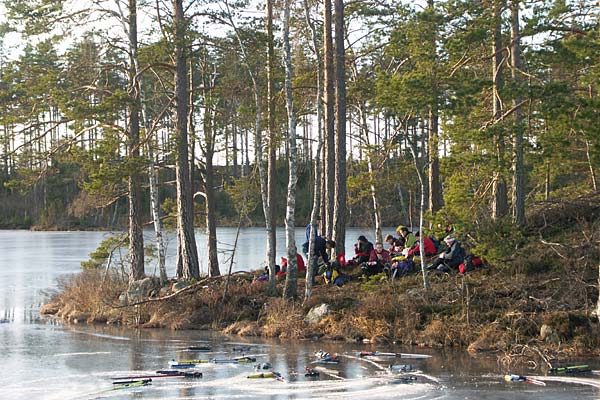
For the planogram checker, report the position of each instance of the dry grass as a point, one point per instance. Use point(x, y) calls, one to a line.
point(86, 296)
point(283, 319)
point(498, 309)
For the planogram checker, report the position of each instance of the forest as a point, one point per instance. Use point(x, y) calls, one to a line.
point(184, 114)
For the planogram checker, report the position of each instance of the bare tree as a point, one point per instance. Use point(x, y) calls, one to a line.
point(312, 260)
point(271, 173)
point(291, 281)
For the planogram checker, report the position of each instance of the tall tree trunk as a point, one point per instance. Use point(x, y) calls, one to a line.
point(211, 222)
point(370, 154)
point(499, 191)
point(598, 301)
point(209, 174)
point(329, 133)
point(435, 187)
point(187, 251)
point(234, 149)
point(153, 191)
point(291, 282)
point(587, 151)
point(339, 214)
point(312, 260)
point(271, 198)
point(518, 192)
point(421, 176)
point(155, 210)
point(136, 234)
point(591, 166)
point(258, 139)
point(191, 127)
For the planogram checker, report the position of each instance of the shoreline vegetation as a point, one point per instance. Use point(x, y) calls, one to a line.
point(535, 305)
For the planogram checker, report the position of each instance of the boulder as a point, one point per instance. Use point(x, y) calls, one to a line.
point(548, 334)
point(545, 331)
point(141, 289)
point(317, 313)
point(177, 286)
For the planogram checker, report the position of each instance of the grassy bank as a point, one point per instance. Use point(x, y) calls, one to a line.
point(534, 305)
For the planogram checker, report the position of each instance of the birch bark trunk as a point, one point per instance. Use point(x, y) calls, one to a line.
point(271, 230)
point(312, 260)
point(291, 283)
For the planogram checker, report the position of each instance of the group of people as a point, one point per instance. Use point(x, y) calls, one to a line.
point(397, 260)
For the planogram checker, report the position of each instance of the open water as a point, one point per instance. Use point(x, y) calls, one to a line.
point(43, 359)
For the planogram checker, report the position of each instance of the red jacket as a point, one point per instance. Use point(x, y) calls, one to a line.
point(299, 261)
point(429, 248)
point(383, 257)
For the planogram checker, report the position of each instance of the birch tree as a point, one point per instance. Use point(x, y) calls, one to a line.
point(272, 145)
point(291, 282)
point(312, 260)
point(258, 139)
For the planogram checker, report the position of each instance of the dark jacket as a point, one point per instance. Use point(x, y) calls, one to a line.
point(454, 255)
point(364, 249)
point(320, 248)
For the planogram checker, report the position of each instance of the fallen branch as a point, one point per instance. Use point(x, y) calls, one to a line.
point(195, 285)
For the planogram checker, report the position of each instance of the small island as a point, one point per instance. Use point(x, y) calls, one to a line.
point(473, 128)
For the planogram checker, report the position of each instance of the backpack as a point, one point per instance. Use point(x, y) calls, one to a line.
point(470, 263)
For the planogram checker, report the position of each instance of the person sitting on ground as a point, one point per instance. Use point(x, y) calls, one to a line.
point(362, 250)
point(401, 266)
point(333, 276)
point(396, 245)
point(430, 248)
point(449, 259)
point(408, 236)
point(299, 264)
point(379, 260)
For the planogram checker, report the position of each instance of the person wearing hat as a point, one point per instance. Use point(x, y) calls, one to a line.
point(451, 258)
point(362, 250)
point(409, 238)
